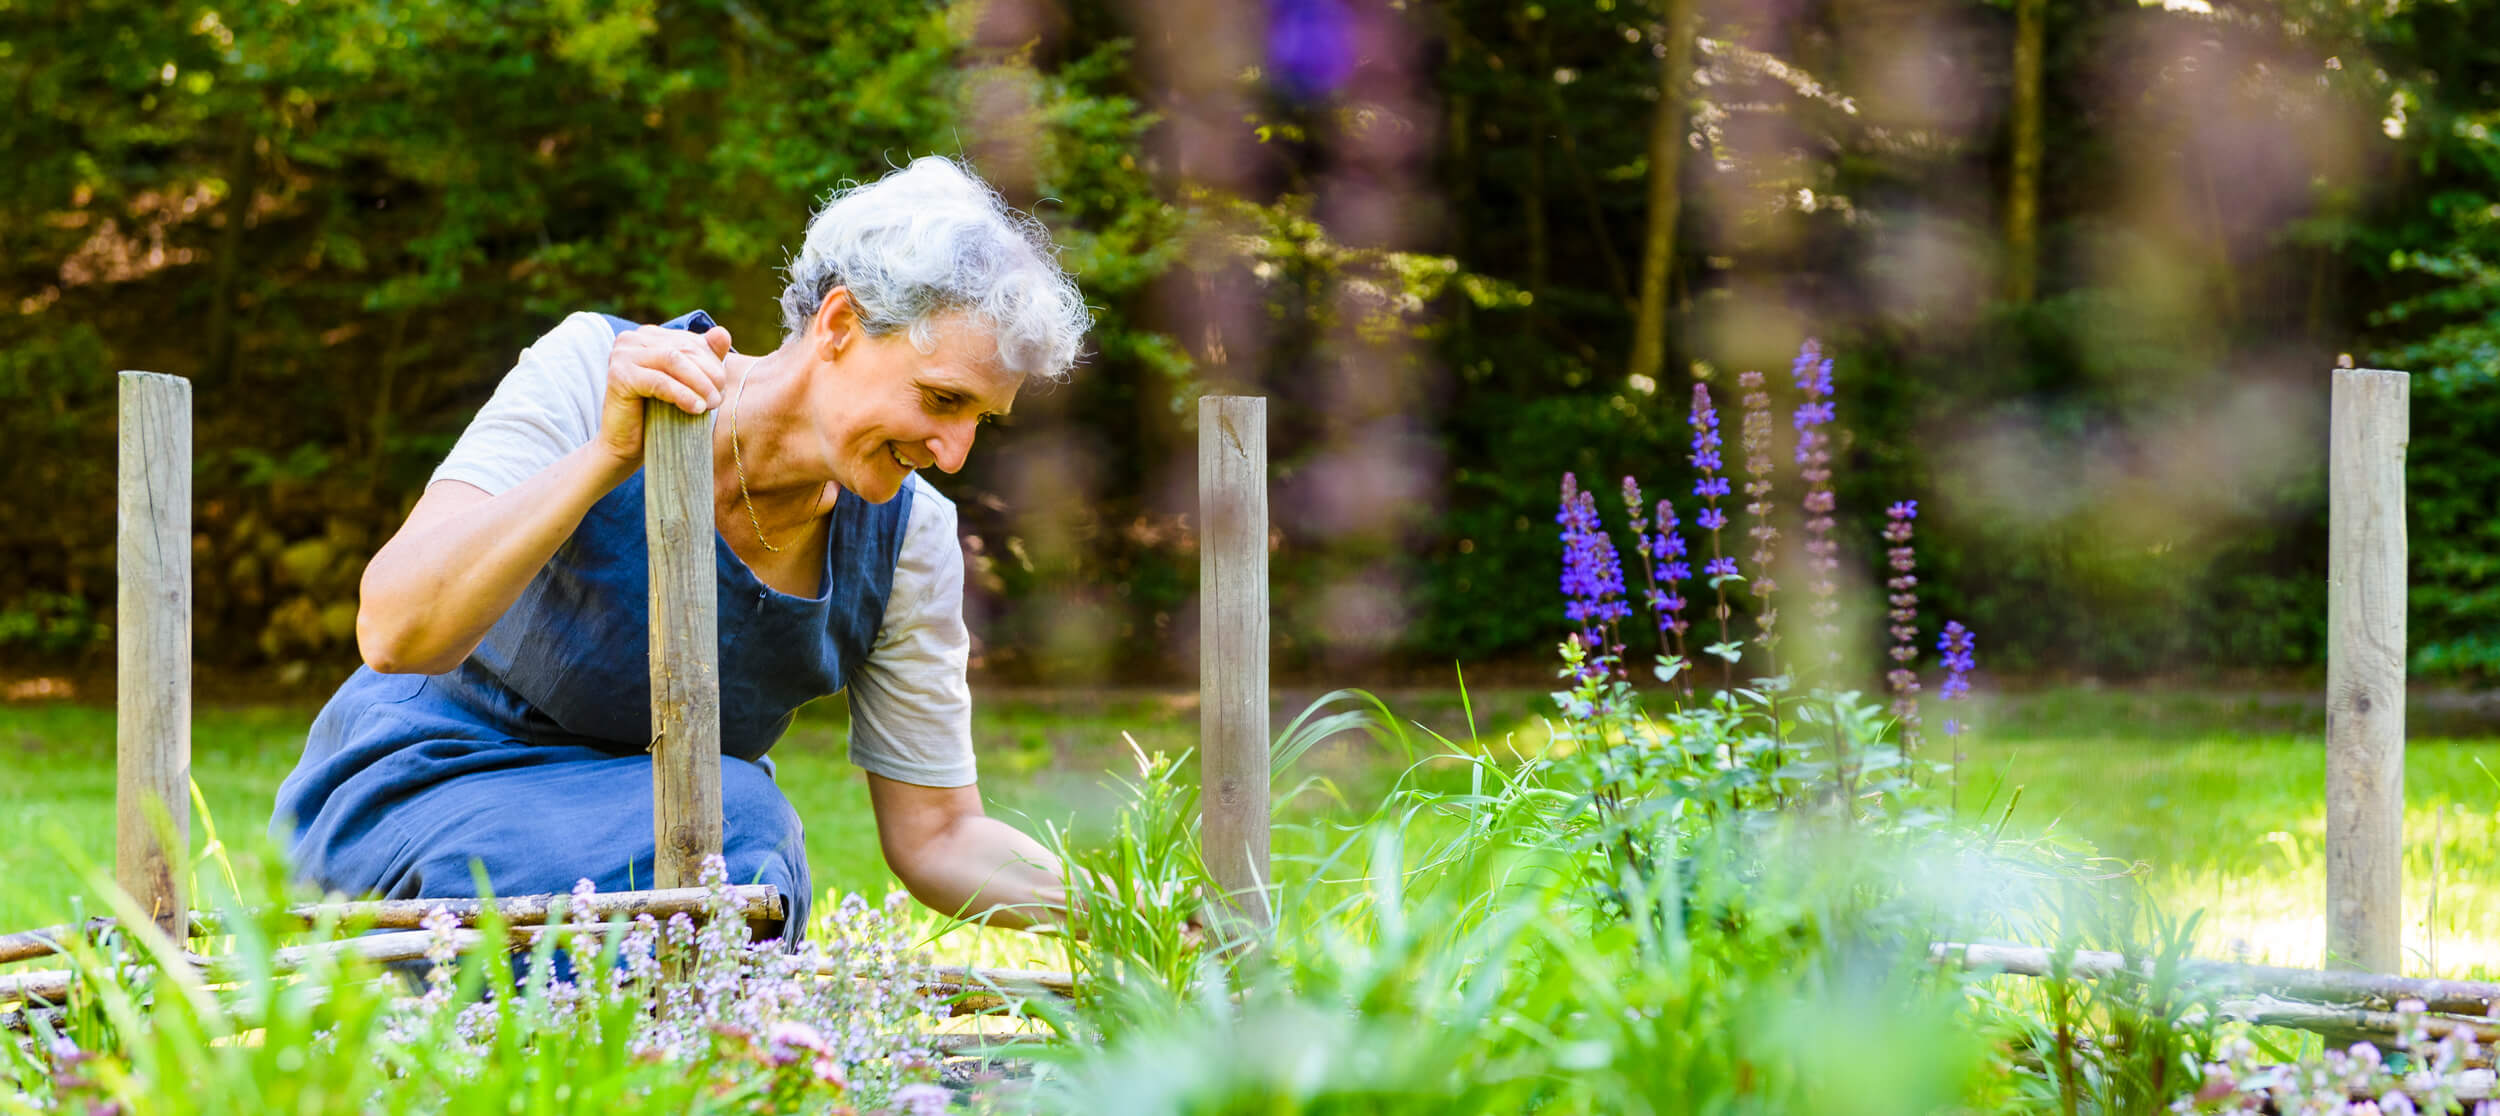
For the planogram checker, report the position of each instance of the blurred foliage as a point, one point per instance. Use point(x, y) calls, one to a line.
point(341, 218)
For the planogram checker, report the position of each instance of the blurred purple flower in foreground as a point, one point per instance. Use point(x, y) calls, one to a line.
point(922, 1099)
point(1310, 46)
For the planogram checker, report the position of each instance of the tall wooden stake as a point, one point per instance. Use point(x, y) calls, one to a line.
point(685, 642)
point(1232, 647)
point(2365, 669)
point(152, 786)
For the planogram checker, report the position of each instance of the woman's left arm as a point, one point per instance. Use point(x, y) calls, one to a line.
point(958, 860)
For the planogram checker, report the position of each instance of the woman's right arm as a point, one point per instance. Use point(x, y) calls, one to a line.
point(464, 555)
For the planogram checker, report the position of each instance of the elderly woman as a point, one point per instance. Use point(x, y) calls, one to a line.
point(502, 716)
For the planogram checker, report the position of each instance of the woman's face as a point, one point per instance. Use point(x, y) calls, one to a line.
point(885, 408)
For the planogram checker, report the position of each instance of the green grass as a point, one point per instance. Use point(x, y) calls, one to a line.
point(2218, 800)
point(2223, 801)
point(2219, 796)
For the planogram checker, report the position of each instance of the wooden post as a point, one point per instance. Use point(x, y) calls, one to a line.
point(2365, 669)
point(685, 643)
point(1232, 647)
point(152, 625)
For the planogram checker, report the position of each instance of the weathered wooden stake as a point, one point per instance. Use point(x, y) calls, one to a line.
point(685, 643)
point(152, 622)
point(2365, 669)
point(1232, 643)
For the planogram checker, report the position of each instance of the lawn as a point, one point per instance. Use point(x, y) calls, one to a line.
point(2217, 796)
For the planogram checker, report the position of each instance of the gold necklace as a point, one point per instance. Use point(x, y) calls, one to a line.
point(738, 460)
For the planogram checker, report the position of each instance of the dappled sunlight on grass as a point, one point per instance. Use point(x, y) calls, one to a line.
point(2232, 820)
point(2221, 798)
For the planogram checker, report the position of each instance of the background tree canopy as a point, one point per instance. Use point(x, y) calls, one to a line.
point(2083, 265)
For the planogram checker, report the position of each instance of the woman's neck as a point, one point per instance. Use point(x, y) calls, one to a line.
point(754, 442)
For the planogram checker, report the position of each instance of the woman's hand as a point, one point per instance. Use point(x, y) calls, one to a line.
point(670, 365)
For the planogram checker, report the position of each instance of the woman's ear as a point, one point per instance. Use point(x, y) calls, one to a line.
point(836, 323)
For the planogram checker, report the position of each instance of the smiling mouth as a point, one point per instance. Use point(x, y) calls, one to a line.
point(899, 459)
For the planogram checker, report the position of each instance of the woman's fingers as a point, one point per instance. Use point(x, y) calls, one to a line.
point(681, 369)
point(693, 380)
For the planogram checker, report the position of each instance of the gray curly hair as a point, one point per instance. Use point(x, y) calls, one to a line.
point(933, 240)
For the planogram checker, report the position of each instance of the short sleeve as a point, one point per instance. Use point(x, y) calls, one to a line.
point(911, 707)
point(546, 407)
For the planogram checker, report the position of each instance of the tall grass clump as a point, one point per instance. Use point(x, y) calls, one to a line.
point(1644, 914)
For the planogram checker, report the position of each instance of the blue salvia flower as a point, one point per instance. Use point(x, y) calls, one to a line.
point(1705, 457)
point(1709, 486)
point(1903, 584)
point(1813, 376)
point(1592, 573)
point(1580, 580)
point(1956, 646)
point(1667, 604)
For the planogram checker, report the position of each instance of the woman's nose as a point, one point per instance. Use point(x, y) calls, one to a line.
point(953, 445)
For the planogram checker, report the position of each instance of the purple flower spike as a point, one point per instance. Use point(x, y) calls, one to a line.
point(1709, 486)
point(1813, 376)
point(1659, 554)
point(1671, 544)
point(1705, 431)
point(1903, 586)
point(1592, 573)
point(1957, 646)
point(1673, 572)
point(1757, 442)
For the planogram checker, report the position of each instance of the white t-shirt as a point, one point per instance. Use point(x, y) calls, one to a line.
point(911, 709)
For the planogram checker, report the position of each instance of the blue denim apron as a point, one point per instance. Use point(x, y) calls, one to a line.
point(531, 759)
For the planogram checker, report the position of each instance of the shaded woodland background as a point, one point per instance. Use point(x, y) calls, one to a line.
point(2083, 266)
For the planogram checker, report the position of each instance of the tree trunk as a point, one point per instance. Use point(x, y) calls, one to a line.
point(2022, 202)
point(1666, 199)
point(242, 181)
